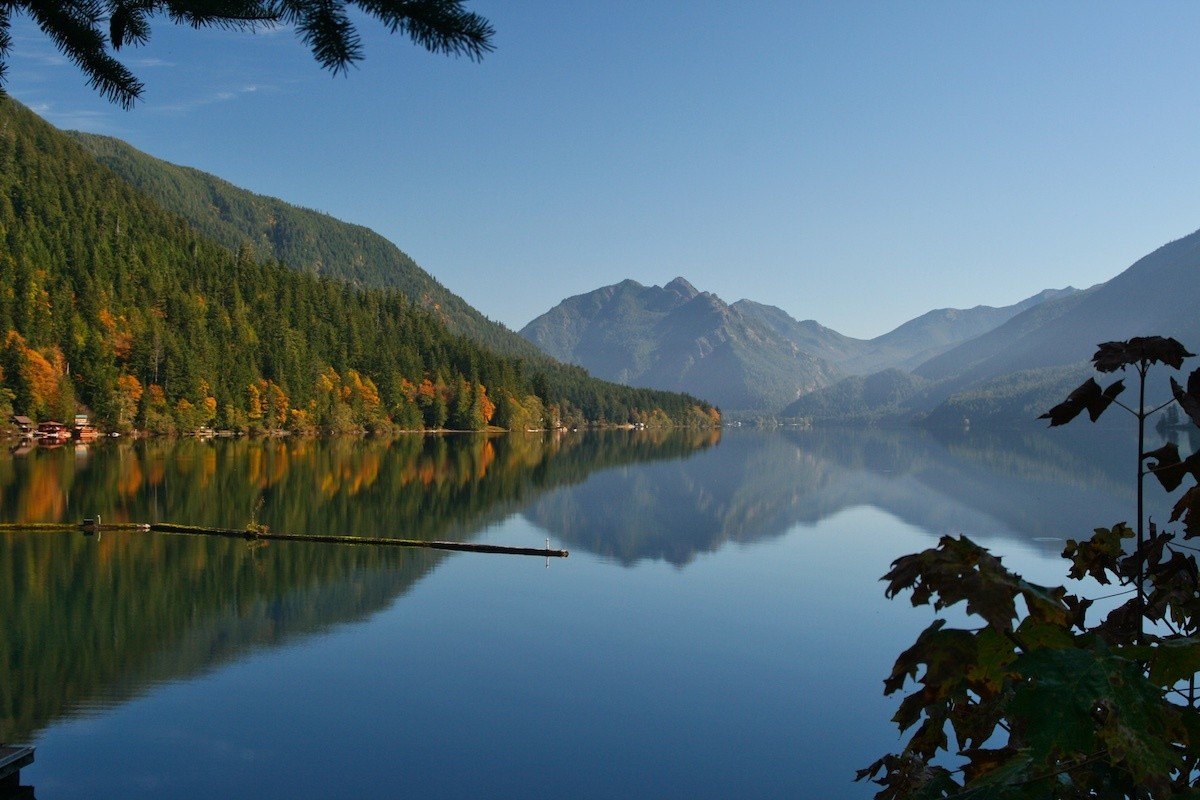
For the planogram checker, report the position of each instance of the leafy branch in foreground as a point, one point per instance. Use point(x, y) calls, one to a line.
point(1042, 703)
point(83, 30)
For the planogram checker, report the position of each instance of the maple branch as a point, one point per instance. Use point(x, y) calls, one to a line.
point(1160, 408)
point(1114, 594)
point(1060, 770)
point(1122, 405)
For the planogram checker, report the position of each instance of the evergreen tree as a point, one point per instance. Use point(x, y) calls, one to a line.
point(84, 30)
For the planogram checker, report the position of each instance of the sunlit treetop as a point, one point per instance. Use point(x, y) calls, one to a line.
point(88, 32)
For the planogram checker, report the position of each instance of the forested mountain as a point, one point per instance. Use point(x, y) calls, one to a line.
point(298, 237)
point(1012, 373)
point(889, 393)
point(109, 301)
point(744, 355)
point(677, 338)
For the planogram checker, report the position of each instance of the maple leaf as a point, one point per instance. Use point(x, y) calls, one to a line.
point(1187, 510)
point(1087, 396)
point(1167, 467)
point(1189, 401)
point(1112, 356)
point(1075, 700)
point(1171, 660)
point(1098, 555)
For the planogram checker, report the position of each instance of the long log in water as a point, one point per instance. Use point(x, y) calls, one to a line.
point(88, 526)
point(467, 547)
point(21, 527)
point(85, 526)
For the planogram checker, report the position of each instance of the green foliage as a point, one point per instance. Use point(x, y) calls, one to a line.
point(1042, 702)
point(84, 30)
point(263, 227)
point(113, 303)
point(861, 398)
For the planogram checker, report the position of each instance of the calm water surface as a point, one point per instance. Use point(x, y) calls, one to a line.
point(718, 631)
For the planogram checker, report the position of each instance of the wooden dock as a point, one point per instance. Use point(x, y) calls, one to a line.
point(12, 759)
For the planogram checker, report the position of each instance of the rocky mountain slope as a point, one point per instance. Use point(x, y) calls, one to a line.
point(677, 337)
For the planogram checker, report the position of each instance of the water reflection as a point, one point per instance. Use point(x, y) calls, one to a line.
point(414, 486)
point(90, 621)
point(93, 620)
point(1036, 487)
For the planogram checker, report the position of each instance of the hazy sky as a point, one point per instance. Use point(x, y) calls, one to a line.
point(854, 163)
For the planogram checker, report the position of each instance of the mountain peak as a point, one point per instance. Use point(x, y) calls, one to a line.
point(681, 287)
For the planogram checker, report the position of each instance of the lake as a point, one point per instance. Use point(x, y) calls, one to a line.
point(719, 629)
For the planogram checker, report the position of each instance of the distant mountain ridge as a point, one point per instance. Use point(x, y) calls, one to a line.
point(744, 356)
point(299, 237)
point(1010, 374)
point(678, 336)
point(905, 347)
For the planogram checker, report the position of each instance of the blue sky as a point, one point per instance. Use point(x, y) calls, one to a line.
point(854, 163)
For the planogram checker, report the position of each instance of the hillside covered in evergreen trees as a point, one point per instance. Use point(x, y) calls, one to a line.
point(300, 238)
point(111, 303)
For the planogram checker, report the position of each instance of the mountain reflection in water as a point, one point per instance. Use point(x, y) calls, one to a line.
point(93, 621)
point(759, 484)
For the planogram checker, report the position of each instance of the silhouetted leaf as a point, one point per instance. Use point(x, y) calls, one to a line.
point(944, 653)
point(1073, 406)
point(1077, 608)
point(1098, 555)
point(1122, 624)
point(1166, 467)
point(975, 723)
point(1189, 400)
point(994, 653)
point(980, 761)
point(909, 777)
point(1110, 394)
point(1088, 396)
point(1188, 510)
point(1171, 661)
point(998, 775)
point(959, 570)
point(1036, 634)
point(1112, 356)
point(1173, 585)
point(1073, 701)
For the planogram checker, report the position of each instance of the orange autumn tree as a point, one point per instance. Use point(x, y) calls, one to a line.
point(41, 387)
point(362, 395)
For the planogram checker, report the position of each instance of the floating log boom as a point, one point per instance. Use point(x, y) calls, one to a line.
point(91, 526)
point(467, 547)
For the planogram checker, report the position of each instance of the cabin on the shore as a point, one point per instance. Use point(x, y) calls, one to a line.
point(52, 431)
point(84, 431)
point(22, 423)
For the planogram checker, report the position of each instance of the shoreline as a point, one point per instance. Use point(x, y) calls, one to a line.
point(11, 437)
